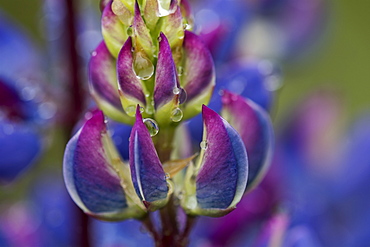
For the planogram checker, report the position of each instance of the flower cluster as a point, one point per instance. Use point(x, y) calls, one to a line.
point(152, 72)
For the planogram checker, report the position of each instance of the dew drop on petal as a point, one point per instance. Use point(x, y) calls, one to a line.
point(129, 31)
point(118, 7)
point(187, 26)
point(192, 203)
point(162, 10)
point(142, 66)
point(204, 145)
point(176, 90)
point(149, 110)
point(180, 70)
point(88, 115)
point(130, 110)
point(180, 34)
point(176, 115)
point(151, 125)
point(167, 175)
point(183, 96)
point(141, 109)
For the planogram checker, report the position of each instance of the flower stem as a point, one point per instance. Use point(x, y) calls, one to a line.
point(76, 99)
point(163, 143)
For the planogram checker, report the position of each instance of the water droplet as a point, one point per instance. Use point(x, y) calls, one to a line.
point(167, 175)
point(180, 34)
point(151, 125)
point(149, 110)
point(168, 29)
point(176, 115)
point(204, 145)
point(141, 109)
point(180, 70)
point(183, 96)
point(187, 26)
point(118, 8)
point(192, 202)
point(142, 66)
point(159, 39)
point(129, 31)
point(162, 9)
point(176, 90)
point(88, 115)
point(94, 53)
point(132, 49)
point(130, 110)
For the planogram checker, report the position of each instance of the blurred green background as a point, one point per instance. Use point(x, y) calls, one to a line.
point(341, 60)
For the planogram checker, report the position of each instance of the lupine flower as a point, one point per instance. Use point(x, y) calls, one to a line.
point(152, 72)
point(268, 29)
point(43, 218)
point(24, 103)
point(325, 170)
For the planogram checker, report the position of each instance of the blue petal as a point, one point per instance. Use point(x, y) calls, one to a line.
point(19, 148)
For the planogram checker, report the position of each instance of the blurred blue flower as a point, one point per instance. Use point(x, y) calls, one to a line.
point(46, 217)
point(326, 171)
point(25, 105)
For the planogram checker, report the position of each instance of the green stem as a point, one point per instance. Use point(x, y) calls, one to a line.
point(163, 142)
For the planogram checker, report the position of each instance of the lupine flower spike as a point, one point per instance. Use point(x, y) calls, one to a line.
point(152, 72)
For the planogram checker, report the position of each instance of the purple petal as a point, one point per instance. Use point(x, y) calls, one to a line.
point(91, 180)
point(165, 76)
point(130, 86)
point(113, 30)
point(198, 78)
point(103, 83)
point(255, 128)
point(223, 167)
point(147, 173)
point(186, 9)
point(103, 3)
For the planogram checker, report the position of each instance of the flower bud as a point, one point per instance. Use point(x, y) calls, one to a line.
point(255, 128)
point(97, 180)
point(147, 173)
point(217, 182)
